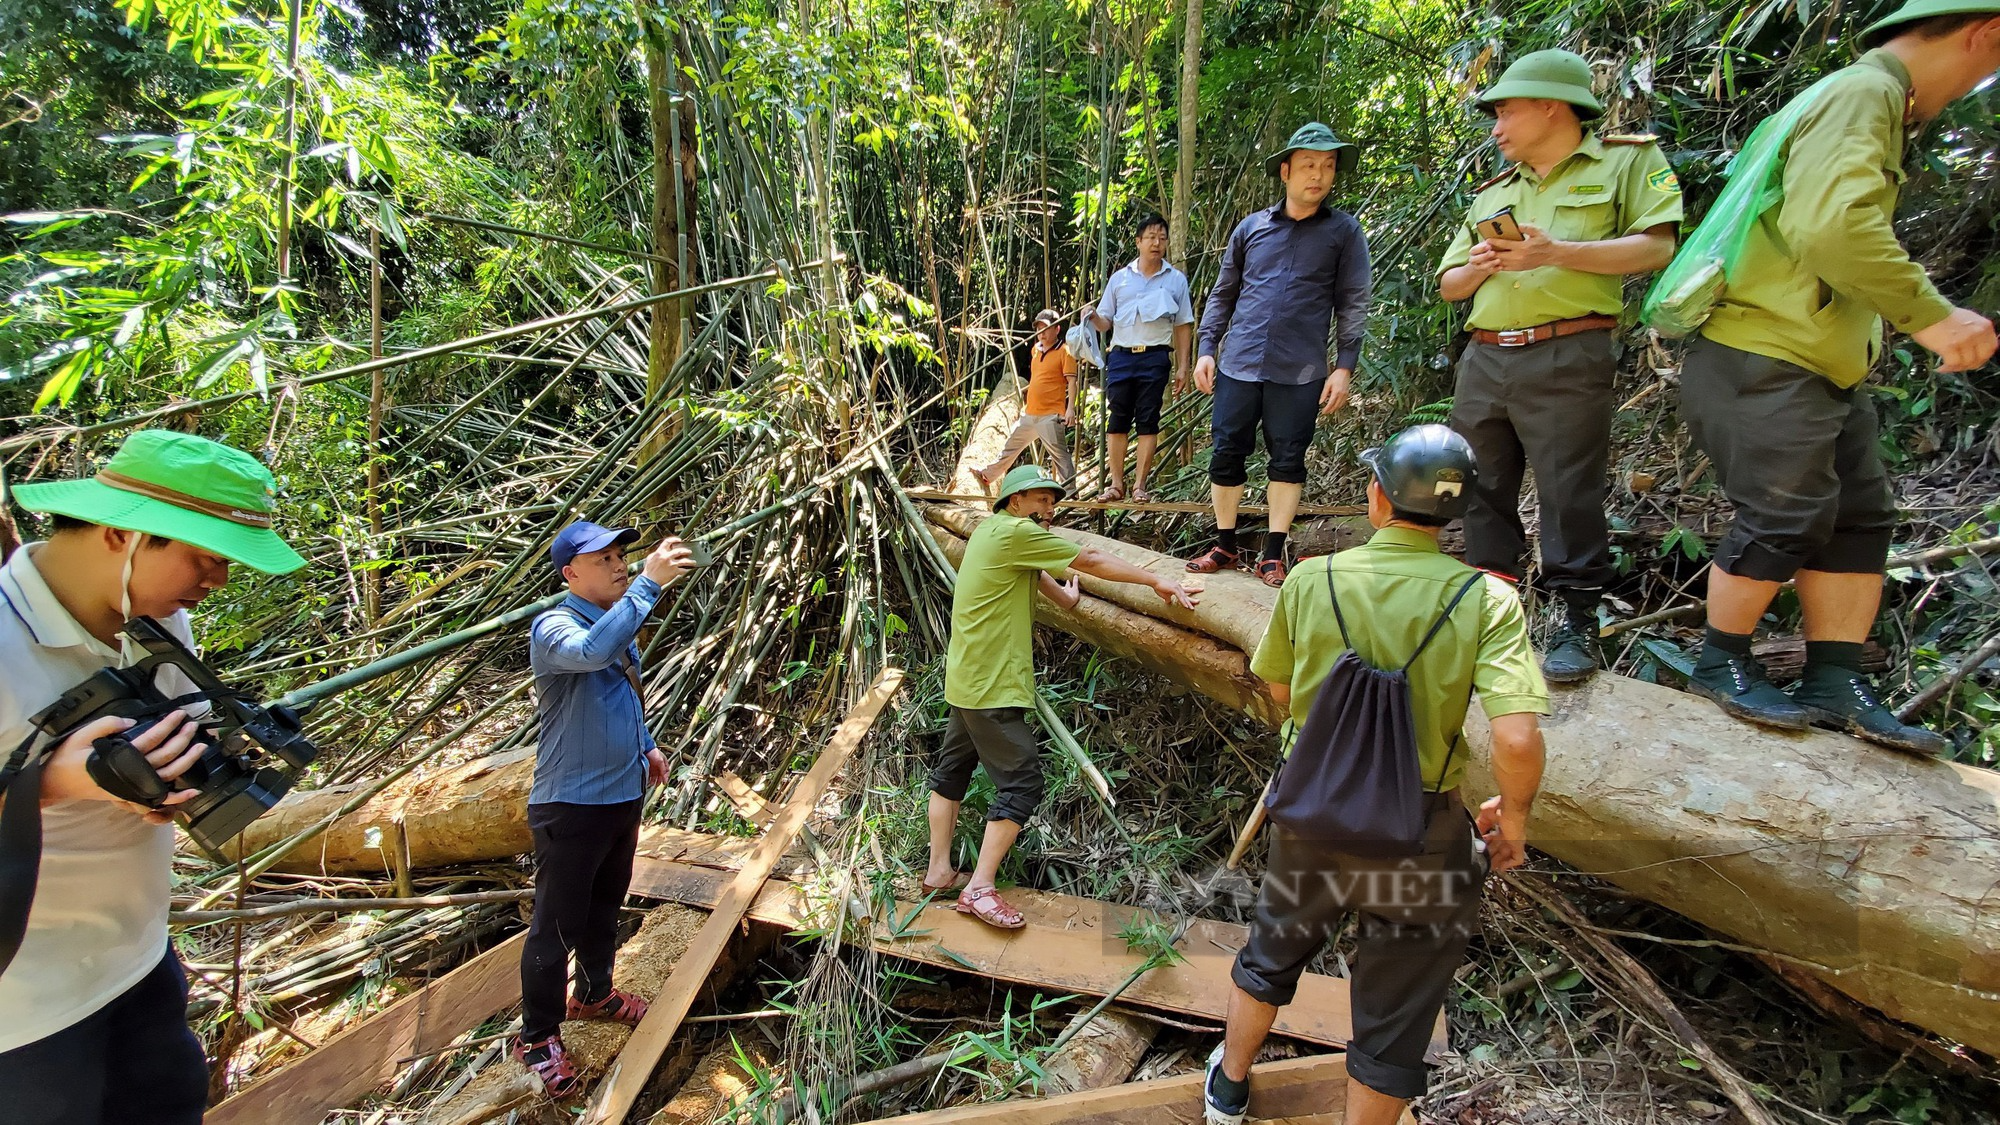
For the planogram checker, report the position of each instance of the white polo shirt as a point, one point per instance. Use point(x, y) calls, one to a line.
point(99, 922)
point(1144, 310)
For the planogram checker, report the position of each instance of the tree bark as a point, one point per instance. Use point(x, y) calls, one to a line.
point(1177, 229)
point(676, 163)
point(1104, 1053)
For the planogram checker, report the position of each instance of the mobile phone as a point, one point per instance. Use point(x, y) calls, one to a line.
point(1500, 225)
point(702, 555)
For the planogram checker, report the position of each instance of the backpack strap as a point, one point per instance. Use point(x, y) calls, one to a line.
point(624, 660)
point(1441, 618)
point(1346, 638)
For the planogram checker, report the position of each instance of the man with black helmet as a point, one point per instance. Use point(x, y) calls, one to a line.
point(1415, 915)
point(1773, 389)
point(1536, 383)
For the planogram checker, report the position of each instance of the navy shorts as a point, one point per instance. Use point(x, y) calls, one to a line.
point(1287, 413)
point(1135, 383)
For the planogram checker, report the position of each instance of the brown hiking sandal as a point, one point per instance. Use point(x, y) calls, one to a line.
point(1273, 572)
point(1214, 560)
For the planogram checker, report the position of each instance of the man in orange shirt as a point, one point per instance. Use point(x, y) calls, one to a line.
point(1050, 405)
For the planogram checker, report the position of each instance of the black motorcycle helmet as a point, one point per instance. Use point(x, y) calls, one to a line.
point(1426, 471)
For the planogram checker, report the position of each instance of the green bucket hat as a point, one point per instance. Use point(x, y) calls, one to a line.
point(1924, 9)
point(178, 486)
point(1021, 478)
point(1319, 138)
point(1559, 75)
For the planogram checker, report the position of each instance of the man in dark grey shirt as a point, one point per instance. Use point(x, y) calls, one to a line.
point(1289, 274)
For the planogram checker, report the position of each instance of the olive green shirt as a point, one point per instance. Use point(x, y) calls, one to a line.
point(1391, 589)
point(1823, 269)
point(990, 661)
point(1605, 189)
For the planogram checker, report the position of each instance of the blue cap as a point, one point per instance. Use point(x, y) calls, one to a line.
point(583, 537)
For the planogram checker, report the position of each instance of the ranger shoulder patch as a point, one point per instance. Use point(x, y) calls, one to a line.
point(1629, 138)
point(1664, 180)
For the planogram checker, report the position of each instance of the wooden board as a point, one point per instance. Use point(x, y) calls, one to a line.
point(362, 1058)
point(627, 1075)
point(1069, 945)
point(1312, 1088)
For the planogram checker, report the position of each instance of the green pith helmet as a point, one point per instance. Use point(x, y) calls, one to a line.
point(1556, 74)
point(1916, 10)
point(1318, 138)
point(1021, 478)
point(1425, 470)
point(181, 487)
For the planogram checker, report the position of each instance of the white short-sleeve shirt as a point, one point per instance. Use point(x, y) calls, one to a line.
point(99, 921)
point(1144, 310)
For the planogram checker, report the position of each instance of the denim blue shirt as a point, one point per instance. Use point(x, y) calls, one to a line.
point(593, 725)
point(1284, 283)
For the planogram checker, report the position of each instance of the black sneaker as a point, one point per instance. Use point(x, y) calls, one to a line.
point(1842, 699)
point(1737, 685)
point(1572, 655)
point(1219, 1107)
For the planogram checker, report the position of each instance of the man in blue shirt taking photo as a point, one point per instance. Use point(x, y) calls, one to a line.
point(592, 766)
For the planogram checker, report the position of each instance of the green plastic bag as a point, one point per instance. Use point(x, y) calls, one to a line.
point(1687, 290)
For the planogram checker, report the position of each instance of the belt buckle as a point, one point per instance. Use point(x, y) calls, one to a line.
point(1515, 337)
point(1135, 350)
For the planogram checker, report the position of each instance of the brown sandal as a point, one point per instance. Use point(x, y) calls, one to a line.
point(1110, 495)
point(1215, 560)
point(617, 1006)
point(1273, 572)
point(986, 905)
point(958, 879)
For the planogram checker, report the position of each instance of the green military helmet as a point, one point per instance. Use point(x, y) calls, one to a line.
point(1556, 74)
point(1915, 10)
point(1426, 471)
point(1317, 137)
point(1021, 478)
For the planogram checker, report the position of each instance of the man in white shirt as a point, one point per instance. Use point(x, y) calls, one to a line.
point(93, 1006)
point(1148, 311)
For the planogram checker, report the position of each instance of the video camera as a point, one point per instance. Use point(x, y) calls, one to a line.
point(236, 781)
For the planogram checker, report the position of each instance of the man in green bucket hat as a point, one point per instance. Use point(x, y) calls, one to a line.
point(1773, 391)
point(93, 1007)
point(989, 677)
point(1290, 273)
point(1536, 383)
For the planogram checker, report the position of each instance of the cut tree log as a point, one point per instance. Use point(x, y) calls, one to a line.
point(1871, 869)
point(627, 1076)
point(1104, 1052)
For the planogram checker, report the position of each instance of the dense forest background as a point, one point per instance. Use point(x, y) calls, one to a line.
point(215, 214)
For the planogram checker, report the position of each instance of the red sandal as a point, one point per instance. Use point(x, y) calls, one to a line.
point(986, 905)
point(1215, 559)
point(617, 1006)
point(556, 1072)
point(1273, 571)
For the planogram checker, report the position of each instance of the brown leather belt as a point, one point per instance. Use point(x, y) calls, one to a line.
point(1522, 337)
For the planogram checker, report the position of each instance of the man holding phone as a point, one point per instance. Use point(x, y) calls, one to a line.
point(1543, 254)
point(593, 764)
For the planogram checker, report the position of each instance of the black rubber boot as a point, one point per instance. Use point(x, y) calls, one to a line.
point(1572, 655)
point(1842, 699)
point(1737, 685)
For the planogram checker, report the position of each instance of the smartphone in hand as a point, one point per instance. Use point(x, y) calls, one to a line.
point(1500, 226)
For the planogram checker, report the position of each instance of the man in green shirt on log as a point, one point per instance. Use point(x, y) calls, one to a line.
point(1536, 386)
point(1772, 389)
point(989, 676)
point(1415, 915)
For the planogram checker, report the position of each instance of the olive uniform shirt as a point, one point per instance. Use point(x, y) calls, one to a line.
point(1822, 270)
point(1391, 589)
point(990, 661)
point(1608, 188)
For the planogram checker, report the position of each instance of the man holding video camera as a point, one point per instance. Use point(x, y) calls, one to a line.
point(1543, 256)
point(93, 1005)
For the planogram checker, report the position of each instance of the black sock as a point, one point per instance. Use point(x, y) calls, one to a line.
point(1231, 1092)
point(1225, 537)
point(1735, 644)
point(536, 1054)
point(1274, 545)
point(1845, 655)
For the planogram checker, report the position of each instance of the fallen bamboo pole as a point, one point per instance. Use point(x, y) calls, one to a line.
point(343, 906)
point(629, 1072)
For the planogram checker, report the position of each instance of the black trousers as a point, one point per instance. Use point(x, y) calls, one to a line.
point(1545, 406)
point(999, 739)
point(132, 1062)
point(1799, 457)
point(1414, 918)
point(583, 866)
point(1287, 412)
